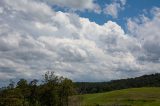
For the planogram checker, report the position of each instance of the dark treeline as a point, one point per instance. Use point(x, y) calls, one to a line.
point(152, 80)
point(54, 91)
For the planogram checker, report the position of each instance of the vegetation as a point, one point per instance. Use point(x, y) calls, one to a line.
point(54, 91)
point(147, 96)
point(60, 91)
point(152, 80)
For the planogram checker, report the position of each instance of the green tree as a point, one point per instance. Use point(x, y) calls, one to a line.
point(23, 86)
point(48, 93)
point(33, 97)
point(54, 91)
point(66, 89)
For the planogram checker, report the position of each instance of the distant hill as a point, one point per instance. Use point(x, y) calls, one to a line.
point(152, 80)
point(147, 96)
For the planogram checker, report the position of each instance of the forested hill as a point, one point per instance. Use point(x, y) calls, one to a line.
point(152, 80)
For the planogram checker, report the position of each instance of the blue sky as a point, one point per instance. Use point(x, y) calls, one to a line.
point(132, 8)
point(84, 40)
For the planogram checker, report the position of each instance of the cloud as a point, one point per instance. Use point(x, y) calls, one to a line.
point(146, 30)
point(123, 2)
point(75, 5)
point(34, 39)
point(114, 8)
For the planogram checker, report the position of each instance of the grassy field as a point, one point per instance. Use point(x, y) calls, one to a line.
point(127, 97)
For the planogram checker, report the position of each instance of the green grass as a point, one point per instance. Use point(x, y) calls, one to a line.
point(127, 97)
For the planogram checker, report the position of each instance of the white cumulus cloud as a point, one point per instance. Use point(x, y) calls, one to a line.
point(114, 8)
point(34, 39)
point(75, 5)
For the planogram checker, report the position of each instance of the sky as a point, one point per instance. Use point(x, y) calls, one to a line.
point(84, 40)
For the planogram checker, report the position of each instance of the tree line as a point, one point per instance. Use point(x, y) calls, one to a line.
point(54, 91)
point(152, 80)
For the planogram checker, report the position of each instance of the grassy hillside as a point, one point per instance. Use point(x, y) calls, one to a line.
point(149, 96)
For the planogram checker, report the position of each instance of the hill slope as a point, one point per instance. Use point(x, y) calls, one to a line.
point(147, 96)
